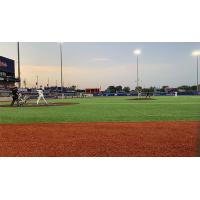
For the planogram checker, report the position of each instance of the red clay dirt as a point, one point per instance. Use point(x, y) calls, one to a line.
point(100, 139)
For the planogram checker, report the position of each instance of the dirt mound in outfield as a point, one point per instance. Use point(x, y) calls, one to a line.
point(142, 98)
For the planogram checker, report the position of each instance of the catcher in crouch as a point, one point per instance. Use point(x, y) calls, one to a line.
point(41, 95)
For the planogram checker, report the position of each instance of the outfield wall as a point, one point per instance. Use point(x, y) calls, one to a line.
point(5, 99)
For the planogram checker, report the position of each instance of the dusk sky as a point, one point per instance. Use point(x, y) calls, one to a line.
point(104, 64)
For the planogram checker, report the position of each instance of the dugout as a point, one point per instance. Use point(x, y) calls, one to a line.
point(7, 73)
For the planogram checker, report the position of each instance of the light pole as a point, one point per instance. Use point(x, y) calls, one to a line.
point(137, 52)
point(61, 68)
point(197, 74)
point(19, 73)
point(37, 82)
point(197, 53)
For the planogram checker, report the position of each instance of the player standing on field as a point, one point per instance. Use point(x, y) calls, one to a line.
point(41, 95)
point(15, 96)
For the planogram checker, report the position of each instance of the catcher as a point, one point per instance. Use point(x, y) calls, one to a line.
point(22, 99)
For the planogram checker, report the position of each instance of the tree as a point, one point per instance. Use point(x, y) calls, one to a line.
point(126, 89)
point(164, 88)
point(73, 87)
point(118, 88)
point(194, 87)
point(151, 89)
point(145, 89)
point(138, 89)
point(111, 89)
point(185, 87)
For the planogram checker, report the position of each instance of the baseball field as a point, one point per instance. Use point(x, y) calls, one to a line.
point(103, 126)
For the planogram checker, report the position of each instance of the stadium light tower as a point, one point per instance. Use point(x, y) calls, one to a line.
point(61, 67)
point(137, 52)
point(19, 73)
point(197, 54)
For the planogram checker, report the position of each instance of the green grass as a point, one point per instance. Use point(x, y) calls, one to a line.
point(108, 109)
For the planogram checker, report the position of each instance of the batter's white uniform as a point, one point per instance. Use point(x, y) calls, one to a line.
point(41, 96)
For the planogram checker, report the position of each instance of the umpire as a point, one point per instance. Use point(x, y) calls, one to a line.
point(15, 96)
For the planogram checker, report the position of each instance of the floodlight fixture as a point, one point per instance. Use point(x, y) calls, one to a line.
point(196, 53)
point(137, 52)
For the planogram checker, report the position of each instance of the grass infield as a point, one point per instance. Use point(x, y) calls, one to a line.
point(108, 109)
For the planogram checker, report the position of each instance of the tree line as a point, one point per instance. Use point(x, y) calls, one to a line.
point(119, 88)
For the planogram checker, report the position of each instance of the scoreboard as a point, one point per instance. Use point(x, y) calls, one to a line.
point(7, 73)
point(7, 65)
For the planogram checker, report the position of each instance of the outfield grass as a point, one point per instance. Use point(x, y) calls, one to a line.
point(108, 109)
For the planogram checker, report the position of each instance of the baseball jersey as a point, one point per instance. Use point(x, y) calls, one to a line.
point(40, 92)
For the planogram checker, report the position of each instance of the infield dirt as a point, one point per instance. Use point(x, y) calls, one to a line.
point(100, 139)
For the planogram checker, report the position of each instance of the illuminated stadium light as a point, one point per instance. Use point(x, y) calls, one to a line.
point(137, 52)
point(61, 67)
point(196, 53)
